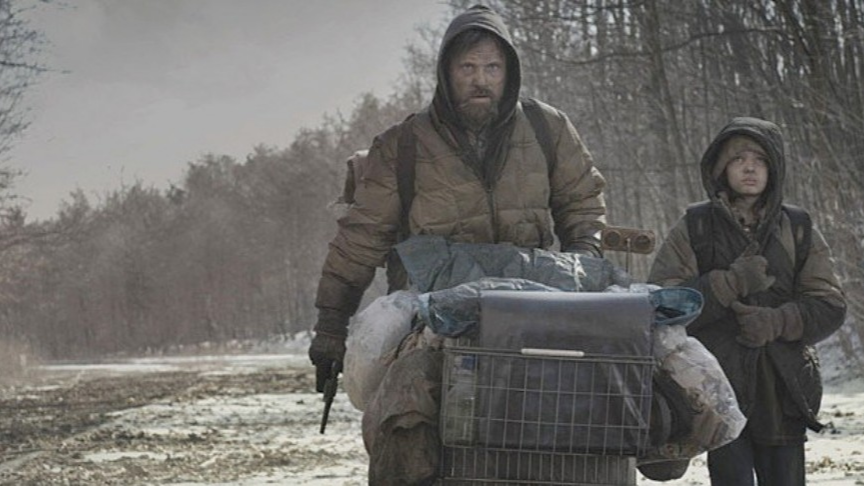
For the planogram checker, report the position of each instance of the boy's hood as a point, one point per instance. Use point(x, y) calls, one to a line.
point(768, 135)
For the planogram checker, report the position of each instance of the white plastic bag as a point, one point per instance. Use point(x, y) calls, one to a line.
point(718, 419)
point(372, 335)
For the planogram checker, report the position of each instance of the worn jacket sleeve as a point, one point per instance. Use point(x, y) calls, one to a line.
point(364, 237)
point(577, 204)
point(675, 265)
point(820, 298)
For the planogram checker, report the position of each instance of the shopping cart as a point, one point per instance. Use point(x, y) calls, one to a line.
point(556, 390)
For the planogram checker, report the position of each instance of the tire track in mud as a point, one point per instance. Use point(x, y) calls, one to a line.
point(53, 426)
point(43, 419)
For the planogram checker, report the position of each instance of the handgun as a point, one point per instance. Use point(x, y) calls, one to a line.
point(330, 386)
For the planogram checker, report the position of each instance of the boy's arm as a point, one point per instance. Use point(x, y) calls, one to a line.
point(821, 301)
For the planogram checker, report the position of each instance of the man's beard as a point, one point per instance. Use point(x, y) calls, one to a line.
point(476, 117)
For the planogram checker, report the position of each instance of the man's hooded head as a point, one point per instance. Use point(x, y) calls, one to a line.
point(477, 28)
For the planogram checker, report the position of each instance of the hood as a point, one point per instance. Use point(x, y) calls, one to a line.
point(768, 135)
point(477, 17)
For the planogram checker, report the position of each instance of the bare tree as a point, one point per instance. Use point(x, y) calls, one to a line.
point(20, 45)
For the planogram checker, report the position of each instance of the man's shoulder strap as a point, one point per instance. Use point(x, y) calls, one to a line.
point(406, 160)
point(540, 125)
point(699, 229)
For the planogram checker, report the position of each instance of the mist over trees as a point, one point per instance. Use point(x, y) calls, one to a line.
point(234, 249)
point(231, 252)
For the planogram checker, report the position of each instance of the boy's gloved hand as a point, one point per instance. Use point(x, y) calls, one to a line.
point(746, 275)
point(762, 325)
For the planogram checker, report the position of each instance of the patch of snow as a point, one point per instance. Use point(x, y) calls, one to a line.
point(285, 426)
point(118, 456)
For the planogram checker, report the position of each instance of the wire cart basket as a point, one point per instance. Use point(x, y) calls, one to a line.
point(542, 416)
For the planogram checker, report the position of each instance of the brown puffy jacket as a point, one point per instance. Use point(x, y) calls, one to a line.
point(507, 197)
point(451, 200)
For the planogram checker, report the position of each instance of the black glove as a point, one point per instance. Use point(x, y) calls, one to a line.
point(324, 351)
point(762, 325)
point(746, 275)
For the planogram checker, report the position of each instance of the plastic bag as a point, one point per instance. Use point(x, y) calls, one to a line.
point(374, 333)
point(718, 419)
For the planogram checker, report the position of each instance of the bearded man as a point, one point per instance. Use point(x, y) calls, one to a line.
point(481, 175)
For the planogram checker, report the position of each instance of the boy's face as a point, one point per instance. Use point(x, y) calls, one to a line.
point(747, 173)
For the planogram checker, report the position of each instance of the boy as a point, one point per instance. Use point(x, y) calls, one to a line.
point(770, 293)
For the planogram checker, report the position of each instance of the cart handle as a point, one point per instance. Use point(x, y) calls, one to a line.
point(563, 353)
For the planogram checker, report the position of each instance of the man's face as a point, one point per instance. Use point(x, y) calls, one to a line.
point(747, 173)
point(477, 80)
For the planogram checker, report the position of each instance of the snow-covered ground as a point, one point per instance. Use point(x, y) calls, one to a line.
point(834, 457)
point(229, 427)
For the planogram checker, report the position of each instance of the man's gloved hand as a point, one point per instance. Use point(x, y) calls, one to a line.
point(324, 351)
point(746, 275)
point(762, 325)
point(587, 246)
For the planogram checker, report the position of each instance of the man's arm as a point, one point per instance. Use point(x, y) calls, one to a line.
point(365, 235)
point(577, 203)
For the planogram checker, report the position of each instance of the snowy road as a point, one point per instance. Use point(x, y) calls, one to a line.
point(250, 420)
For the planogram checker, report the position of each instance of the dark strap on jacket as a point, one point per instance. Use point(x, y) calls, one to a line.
point(700, 228)
point(406, 157)
point(802, 232)
point(542, 131)
point(700, 222)
point(406, 161)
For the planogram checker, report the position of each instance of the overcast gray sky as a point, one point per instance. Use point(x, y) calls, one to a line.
point(155, 84)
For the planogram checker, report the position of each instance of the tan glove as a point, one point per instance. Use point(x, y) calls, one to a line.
point(762, 325)
point(746, 276)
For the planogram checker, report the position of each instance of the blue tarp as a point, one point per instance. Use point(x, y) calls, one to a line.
point(450, 277)
point(676, 306)
point(433, 263)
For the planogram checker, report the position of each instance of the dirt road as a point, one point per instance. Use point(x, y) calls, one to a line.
point(196, 422)
point(250, 421)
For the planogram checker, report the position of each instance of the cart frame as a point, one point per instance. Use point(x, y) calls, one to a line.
point(543, 417)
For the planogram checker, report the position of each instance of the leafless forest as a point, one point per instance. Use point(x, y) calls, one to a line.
point(233, 250)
